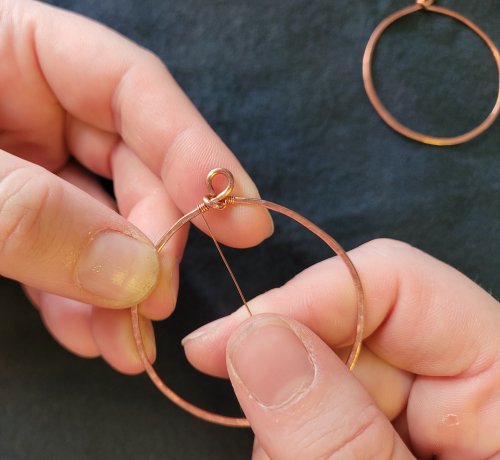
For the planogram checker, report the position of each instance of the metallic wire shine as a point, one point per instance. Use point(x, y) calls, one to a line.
point(382, 110)
point(214, 201)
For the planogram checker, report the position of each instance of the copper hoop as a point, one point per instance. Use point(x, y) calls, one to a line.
point(382, 110)
point(217, 202)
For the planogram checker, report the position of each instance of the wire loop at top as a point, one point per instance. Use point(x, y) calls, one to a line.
point(425, 3)
point(218, 200)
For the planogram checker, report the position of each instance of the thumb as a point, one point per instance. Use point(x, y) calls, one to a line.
point(300, 399)
point(57, 238)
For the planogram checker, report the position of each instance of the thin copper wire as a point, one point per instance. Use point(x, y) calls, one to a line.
point(382, 110)
point(218, 202)
point(226, 263)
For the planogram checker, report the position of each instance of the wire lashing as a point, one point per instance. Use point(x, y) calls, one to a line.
point(210, 202)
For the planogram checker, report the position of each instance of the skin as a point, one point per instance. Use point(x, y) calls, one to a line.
point(430, 362)
point(68, 112)
point(426, 381)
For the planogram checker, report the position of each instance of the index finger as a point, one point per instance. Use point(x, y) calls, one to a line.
point(111, 85)
point(421, 315)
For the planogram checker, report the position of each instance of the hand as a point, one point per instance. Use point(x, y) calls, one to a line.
point(430, 363)
point(73, 91)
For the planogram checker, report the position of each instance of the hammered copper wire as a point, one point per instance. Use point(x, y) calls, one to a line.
point(218, 202)
point(382, 110)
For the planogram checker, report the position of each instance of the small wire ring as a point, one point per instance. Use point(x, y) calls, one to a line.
point(214, 199)
point(226, 199)
point(382, 110)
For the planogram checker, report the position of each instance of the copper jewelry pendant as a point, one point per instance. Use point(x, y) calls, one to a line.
point(215, 202)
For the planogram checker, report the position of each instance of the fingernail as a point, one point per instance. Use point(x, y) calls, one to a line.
point(118, 268)
point(203, 331)
point(272, 362)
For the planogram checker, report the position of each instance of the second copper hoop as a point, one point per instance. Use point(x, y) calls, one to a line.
point(219, 201)
point(382, 110)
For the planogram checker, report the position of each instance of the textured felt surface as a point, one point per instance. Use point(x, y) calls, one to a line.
point(281, 83)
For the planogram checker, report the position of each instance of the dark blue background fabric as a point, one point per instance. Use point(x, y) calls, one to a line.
point(281, 83)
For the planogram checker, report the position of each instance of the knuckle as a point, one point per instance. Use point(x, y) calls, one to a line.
point(389, 245)
point(372, 436)
point(24, 194)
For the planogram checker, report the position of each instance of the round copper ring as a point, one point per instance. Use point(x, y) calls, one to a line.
point(225, 199)
point(382, 110)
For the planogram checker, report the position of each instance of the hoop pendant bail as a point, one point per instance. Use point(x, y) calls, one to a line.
point(214, 202)
point(379, 107)
point(214, 199)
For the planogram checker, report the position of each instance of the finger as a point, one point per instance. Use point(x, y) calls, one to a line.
point(73, 173)
point(143, 200)
point(300, 399)
point(457, 419)
point(161, 302)
point(112, 330)
point(421, 316)
point(31, 119)
point(400, 424)
point(113, 339)
point(57, 238)
point(388, 386)
point(140, 196)
point(91, 145)
point(258, 453)
point(69, 322)
point(120, 88)
point(412, 301)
